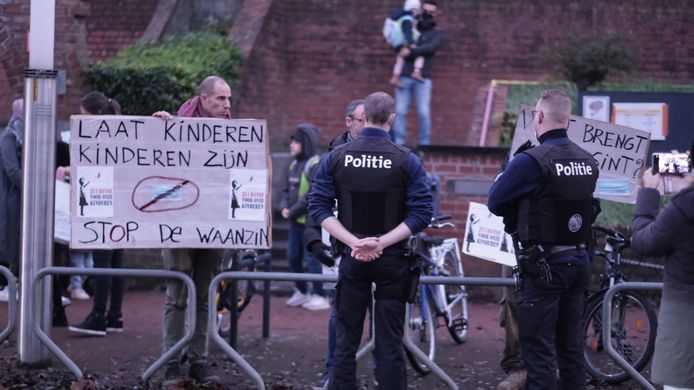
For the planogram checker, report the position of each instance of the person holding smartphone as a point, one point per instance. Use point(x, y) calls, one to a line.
point(668, 232)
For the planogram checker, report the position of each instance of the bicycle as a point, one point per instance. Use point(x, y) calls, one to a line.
point(236, 260)
point(440, 257)
point(634, 321)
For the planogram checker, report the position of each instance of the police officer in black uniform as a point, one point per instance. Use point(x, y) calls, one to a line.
point(545, 197)
point(383, 198)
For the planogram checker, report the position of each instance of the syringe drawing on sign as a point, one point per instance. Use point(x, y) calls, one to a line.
point(165, 194)
point(157, 194)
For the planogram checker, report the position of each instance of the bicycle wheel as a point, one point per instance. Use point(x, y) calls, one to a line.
point(245, 289)
point(456, 300)
point(634, 324)
point(421, 329)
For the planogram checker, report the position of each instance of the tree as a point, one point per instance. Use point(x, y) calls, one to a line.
point(590, 60)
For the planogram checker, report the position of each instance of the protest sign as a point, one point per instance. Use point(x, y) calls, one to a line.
point(142, 182)
point(61, 221)
point(485, 237)
point(619, 151)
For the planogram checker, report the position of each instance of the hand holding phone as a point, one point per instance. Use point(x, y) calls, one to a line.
point(671, 163)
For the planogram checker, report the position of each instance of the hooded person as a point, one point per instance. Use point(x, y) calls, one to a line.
point(304, 149)
point(293, 203)
point(667, 232)
point(11, 142)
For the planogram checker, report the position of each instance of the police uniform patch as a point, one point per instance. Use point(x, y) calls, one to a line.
point(575, 223)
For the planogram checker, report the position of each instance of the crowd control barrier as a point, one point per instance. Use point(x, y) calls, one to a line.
point(292, 277)
point(607, 326)
point(124, 272)
point(12, 303)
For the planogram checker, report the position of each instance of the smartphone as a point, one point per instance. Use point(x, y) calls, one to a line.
point(671, 163)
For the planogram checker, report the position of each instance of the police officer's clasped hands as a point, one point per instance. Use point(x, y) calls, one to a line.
point(367, 249)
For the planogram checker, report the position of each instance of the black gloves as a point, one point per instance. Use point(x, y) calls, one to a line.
point(526, 145)
point(322, 252)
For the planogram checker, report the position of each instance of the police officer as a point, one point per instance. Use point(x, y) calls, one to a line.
point(383, 198)
point(545, 197)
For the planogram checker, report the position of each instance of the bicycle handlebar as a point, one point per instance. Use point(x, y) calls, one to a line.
point(437, 222)
point(441, 218)
point(613, 236)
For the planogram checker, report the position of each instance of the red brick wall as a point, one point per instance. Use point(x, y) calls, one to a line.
point(14, 16)
point(314, 56)
point(115, 24)
point(264, 78)
point(69, 51)
point(334, 53)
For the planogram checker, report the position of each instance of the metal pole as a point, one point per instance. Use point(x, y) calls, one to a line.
point(607, 327)
point(38, 162)
point(233, 314)
point(11, 303)
point(266, 299)
point(217, 339)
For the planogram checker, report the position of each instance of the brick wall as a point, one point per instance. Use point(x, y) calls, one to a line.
point(14, 15)
point(334, 53)
point(261, 93)
point(115, 24)
point(314, 56)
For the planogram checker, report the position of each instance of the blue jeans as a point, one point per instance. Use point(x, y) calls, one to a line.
point(422, 94)
point(297, 255)
point(79, 259)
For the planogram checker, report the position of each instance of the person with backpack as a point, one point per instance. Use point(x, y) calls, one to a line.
point(400, 31)
point(293, 203)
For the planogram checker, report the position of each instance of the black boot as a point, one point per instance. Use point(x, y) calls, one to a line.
point(94, 324)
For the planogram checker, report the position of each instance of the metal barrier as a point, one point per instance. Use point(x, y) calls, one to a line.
point(607, 327)
point(234, 314)
point(284, 276)
point(124, 272)
point(12, 303)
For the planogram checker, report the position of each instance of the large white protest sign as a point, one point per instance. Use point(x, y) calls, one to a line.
point(142, 182)
point(485, 237)
point(619, 151)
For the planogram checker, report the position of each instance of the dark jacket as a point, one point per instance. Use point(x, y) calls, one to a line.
point(669, 232)
point(10, 192)
point(291, 198)
point(312, 234)
point(427, 45)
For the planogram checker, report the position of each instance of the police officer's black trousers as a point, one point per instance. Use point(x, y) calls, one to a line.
point(390, 273)
point(550, 322)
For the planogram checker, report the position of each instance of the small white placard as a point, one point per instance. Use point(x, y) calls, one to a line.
point(485, 237)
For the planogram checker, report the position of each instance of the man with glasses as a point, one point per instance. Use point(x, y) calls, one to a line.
point(545, 196)
point(427, 45)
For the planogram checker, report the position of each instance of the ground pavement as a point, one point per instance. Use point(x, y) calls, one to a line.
point(292, 358)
